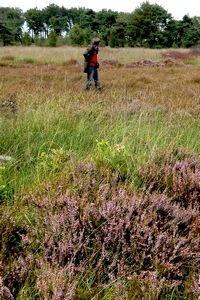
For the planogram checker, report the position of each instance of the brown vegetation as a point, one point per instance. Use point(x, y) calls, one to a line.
point(150, 82)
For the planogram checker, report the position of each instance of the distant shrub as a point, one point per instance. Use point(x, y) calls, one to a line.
point(177, 54)
point(77, 35)
point(52, 39)
point(111, 62)
point(40, 41)
point(8, 58)
point(28, 60)
point(71, 61)
point(26, 39)
point(3, 63)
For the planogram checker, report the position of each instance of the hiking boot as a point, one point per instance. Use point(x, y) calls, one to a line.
point(98, 89)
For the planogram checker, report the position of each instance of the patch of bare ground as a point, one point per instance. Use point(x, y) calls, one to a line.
point(145, 62)
point(71, 62)
point(179, 55)
point(111, 63)
point(167, 61)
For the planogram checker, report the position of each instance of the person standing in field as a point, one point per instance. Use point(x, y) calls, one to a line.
point(91, 65)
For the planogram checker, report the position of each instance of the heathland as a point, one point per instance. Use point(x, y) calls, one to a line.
point(99, 192)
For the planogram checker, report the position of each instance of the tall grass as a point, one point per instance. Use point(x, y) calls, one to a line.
point(62, 54)
point(54, 125)
point(98, 180)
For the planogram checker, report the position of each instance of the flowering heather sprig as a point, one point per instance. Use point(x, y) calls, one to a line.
point(52, 282)
point(196, 285)
point(177, 174)
point(5, 293)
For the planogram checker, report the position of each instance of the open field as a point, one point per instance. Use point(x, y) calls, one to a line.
point(63, 54)
point(101, 197)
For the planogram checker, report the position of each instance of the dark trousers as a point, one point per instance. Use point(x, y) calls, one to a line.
point(93, 76)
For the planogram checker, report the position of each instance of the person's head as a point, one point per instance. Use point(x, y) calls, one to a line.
point(95, 41)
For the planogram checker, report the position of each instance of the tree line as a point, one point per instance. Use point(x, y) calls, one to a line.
point(149, 25)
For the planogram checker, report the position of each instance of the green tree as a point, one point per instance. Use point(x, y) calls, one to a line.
point(6, 37)
point(35, 21)
point(103, 22)
point(147, 25)
point(189, 31)
point(117, 35)
point(193, 33)
point(106, 18)
point(55, 19)
point(87, 19)
point(171, 35)
point(11, 22)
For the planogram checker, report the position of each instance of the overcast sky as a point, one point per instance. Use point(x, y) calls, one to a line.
point(178, 8)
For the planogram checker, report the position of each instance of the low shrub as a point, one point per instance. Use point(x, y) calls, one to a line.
point(148, 242)
point(99, 234)
point(176, 174)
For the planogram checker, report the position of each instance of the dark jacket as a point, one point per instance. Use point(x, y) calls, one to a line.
point(90, 56)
